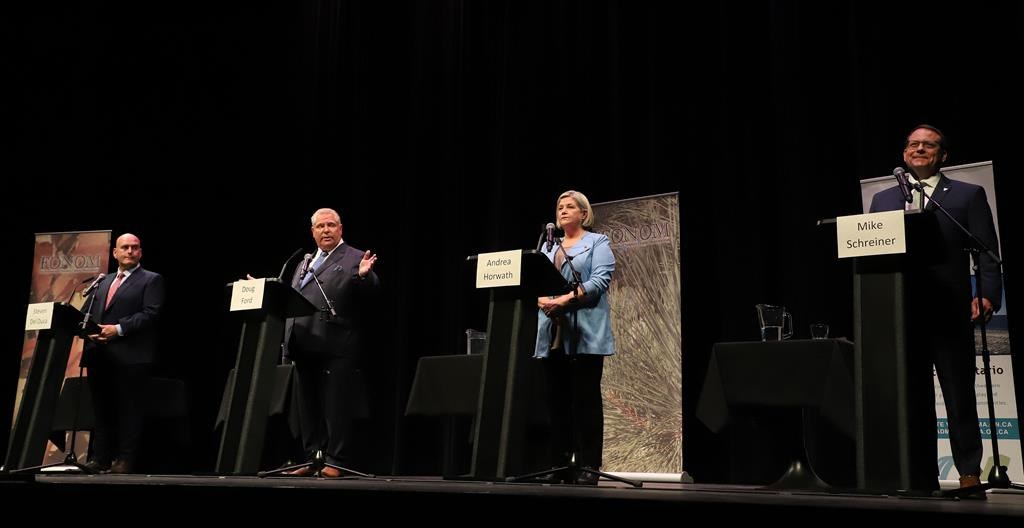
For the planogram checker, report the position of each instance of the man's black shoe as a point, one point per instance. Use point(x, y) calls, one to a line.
point(97, 468)
point(555, 477)
point(586, 478)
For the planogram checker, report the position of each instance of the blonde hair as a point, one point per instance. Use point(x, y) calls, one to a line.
point(581, 201)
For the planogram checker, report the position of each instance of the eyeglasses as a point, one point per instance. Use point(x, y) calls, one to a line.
point(928, 145)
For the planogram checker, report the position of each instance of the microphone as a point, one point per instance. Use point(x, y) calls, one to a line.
point(94, 285)
point(904, 184)
point(305, 265)
point(550, 229)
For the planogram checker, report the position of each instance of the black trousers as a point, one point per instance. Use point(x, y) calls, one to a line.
point(119, 394)
point(327, 391)
point(952, 354)
point(576, 408)
point(955, 366)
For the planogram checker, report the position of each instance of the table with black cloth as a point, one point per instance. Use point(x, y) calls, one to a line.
point(445, 385)
point(449, 386)
point(804, 389)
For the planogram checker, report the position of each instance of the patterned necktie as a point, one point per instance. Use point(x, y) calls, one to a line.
point(312, 269)
point(113, 288)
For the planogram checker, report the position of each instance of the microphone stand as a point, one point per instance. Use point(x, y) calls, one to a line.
point(571, 471)
point(280, 276)
point(285, 359)
point(997, 477)
point(71, 458)
point(328, 303)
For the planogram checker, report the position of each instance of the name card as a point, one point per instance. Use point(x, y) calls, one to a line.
point(499, 269)
point(39, 317)
point(247, 294)
point(871, 234)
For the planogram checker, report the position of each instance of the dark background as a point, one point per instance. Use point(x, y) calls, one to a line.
point(441, 129)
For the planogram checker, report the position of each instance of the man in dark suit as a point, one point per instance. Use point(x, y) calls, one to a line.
point(943, 308)
point(126, 305)
point(326, 346)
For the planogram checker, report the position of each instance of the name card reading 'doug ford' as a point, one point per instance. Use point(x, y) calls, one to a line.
point(39, 317)
point(499, 269)
point(247, 294)
point(871, 234)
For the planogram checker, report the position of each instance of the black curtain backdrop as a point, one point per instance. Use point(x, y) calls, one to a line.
point(441, 129)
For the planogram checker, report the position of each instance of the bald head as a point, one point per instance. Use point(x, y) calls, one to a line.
point(127, 251)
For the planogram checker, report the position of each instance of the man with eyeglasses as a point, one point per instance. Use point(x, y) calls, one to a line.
point(943, 310)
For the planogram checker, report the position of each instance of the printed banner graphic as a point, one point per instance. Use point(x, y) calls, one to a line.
point(642, 383)
point(62, 261)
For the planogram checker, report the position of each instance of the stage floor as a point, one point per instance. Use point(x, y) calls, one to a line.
point(511, 501)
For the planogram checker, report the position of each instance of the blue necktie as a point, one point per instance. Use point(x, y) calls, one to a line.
point(312, 269)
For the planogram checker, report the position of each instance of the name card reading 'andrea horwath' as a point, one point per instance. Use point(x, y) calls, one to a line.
point(871, 234)
point(499, 269)
point(247, 294)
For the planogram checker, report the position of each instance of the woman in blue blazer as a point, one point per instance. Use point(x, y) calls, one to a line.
point(574, 334)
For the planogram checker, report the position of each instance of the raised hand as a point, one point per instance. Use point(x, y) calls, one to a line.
point(366, 265)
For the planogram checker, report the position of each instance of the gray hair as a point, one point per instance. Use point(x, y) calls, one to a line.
point(324, 210)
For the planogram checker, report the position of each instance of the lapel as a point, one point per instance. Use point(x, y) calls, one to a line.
point(576, 250)
point(127, 282)
point(331, 261)
point(939, 193)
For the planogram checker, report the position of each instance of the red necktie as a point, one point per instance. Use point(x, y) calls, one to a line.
point(113, 288)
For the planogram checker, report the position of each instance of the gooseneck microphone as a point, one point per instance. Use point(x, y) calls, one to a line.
point(94, 285)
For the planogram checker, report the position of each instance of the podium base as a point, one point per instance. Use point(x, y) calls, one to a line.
point(799, 476)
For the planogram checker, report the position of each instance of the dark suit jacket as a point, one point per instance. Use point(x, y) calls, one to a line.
point(323, 336)
point(949, 276)
point(136, 307)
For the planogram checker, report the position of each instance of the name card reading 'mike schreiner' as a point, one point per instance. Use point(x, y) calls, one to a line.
point(871, 234)
point(247, 294)
point(39, 316)
point(499, 269)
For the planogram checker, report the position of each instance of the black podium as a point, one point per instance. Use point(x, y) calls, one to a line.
point(248, 396)
point(511, 338)
point(884, 293)
point(42, 388)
